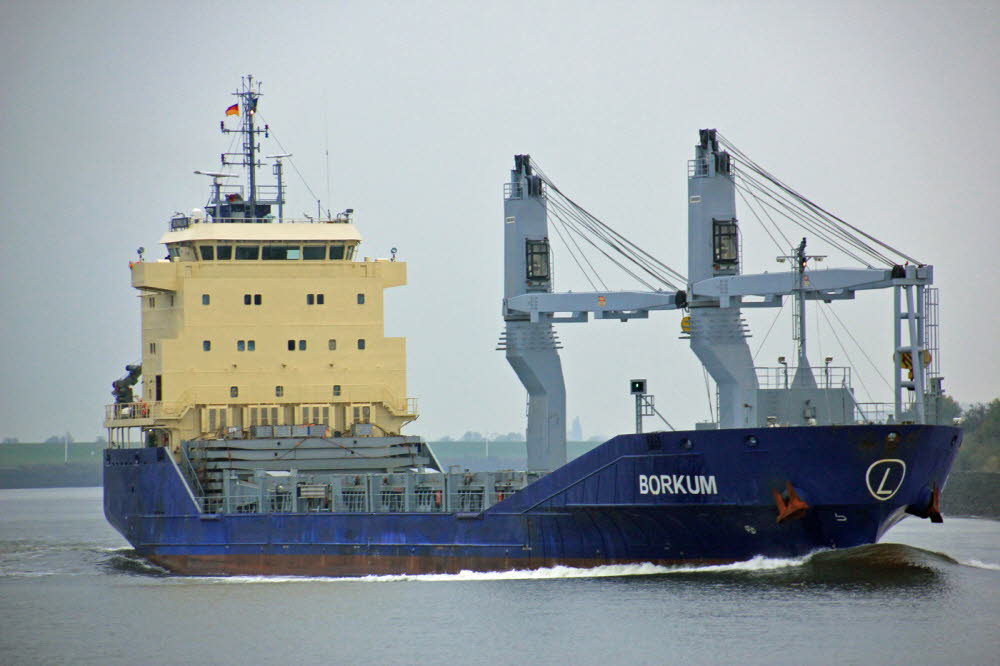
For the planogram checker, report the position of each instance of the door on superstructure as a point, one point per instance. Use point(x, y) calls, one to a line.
point(159, 388)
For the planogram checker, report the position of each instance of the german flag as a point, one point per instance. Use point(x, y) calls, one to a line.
point(234, 110)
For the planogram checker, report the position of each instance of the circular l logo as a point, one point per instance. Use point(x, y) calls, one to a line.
point(885, 477)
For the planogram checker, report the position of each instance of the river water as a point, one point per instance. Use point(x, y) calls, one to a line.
point(71, 590)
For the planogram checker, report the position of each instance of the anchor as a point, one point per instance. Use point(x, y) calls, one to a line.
point(791, 509)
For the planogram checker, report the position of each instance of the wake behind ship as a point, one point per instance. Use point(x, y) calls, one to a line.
point(268, 435)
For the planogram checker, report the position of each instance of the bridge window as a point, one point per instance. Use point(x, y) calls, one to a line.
point(725, 242)
point(337, 251)
point(223, 252)
point(250, 252)
point(537, 259)
point(207, 252)
point(272, 252)
point(310, 252)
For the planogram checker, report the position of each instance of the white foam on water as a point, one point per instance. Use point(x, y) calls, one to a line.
point(758, 563)
point(980, 565)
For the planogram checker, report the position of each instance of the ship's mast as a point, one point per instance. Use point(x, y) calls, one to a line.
point(800, 302)
point(248, 95)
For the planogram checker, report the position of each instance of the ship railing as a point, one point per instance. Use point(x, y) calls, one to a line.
point(139, 410)
point(781, 377)
point(323, 394)
point(129, 411)
point(191, 475)
point(399, 492)
point(698, 168)
point(875, 412)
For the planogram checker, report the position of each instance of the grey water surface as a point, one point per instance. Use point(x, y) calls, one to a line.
point(71, 590)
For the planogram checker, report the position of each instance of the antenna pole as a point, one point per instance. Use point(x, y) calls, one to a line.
point(250, 108)
point(800, 300)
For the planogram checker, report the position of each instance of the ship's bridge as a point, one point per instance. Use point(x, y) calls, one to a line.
point(268, 242)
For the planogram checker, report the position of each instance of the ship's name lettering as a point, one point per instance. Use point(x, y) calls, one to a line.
point(677, 484)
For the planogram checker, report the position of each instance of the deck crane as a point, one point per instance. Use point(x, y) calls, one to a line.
point(715, 293)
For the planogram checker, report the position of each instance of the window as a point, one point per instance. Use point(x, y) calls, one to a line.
point(256, 299)
point(247, 299)
point(152, 347)
point(291, 345)
point(310, 252)
point(251, 345)
point(310, 299)
point(207, 252)
point(234, 391)
point(319, 299)
point(725, 243)
point(361, 343)
point(336, 390)
point(250, 252)
point(336, 251)
point(361, 299)
point(152, 302)
point(350, 252)
point(159, 388)
point(205, 299)
point(223, 252)
point(302, 345)
point(537, 259)
point(206, 345)
point(314, 299)
point(171, 302)
point(279, 391)
point(280, 252)
point(241, 345)
point(331, 344)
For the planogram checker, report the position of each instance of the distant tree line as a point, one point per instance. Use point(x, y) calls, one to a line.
point(980, 450)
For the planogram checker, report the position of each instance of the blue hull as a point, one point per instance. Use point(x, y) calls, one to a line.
point(696, 496)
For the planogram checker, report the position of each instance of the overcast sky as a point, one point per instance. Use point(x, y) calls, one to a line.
point(885, 113)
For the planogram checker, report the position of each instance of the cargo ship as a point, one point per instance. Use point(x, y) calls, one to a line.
point(266, 437)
